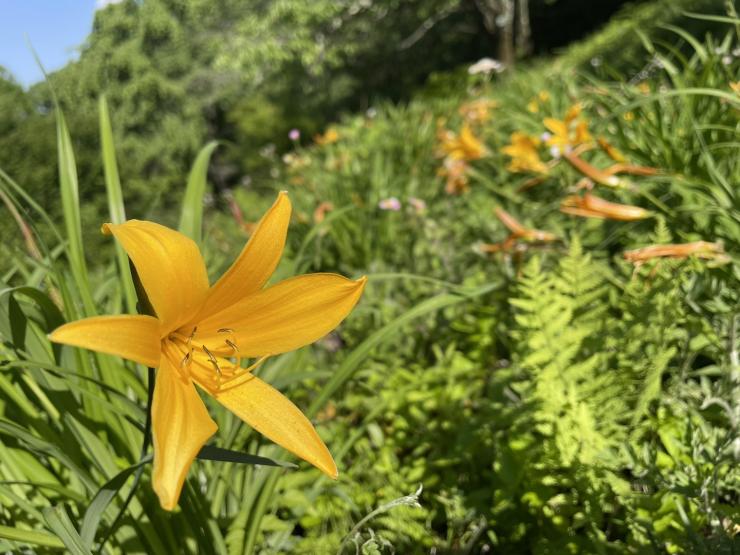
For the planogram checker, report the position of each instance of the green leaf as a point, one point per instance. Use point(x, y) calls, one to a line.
point(717, 18)
point(17, 320)
point(59, 521)
point(102, 499)
point(116, 207)
point(69, 189)
point(38, 445)
point(213, 453)
point(31, 537)
point(53, 317)
point(191, 217)
point(695, 44)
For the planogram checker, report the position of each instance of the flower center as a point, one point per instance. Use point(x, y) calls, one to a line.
point(213, 364)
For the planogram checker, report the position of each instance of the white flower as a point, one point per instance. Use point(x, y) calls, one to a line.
point(486, 66)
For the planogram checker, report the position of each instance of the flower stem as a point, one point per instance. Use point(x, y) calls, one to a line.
point(144, 448)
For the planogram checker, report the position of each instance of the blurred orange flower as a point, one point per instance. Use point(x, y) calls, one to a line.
point(700, 249)
point(455, 172)
point(611, 151)
point(569, 132)
point(478, 111)
point(330, 136)
point(524, 154)
point(462, 146)
point(591, 206)
point(592, 172)
point(518, 233)
point(320, 213)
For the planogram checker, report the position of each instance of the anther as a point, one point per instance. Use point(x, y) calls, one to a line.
point(225, 330)
point(212, 359)
point(185, 360)
point(233, 346)
point(192, 335)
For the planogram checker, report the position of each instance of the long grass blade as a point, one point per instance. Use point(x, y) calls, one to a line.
point(116, 208)
point(30, 537)
point(191, 216)
point(59, 521)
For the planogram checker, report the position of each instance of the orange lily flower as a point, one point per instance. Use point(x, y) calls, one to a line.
point(621, 165)
point(455, 172)
point(611, 150)
point(320, 213)
point(591, 206)
point(524, 154)
point(200, 334)
point(592, 172)
point(700, 249)
point(630, 169)
point(519, 231)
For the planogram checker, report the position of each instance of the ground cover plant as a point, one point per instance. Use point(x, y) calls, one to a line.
point(544, 360)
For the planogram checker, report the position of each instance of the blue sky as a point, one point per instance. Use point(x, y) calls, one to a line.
point(56, 28)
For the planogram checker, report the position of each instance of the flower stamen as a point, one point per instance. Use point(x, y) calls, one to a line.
point(212, 359)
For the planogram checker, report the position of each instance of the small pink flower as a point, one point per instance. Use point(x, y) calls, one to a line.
point(294, 134)
point(391, 203)
point(418, 205)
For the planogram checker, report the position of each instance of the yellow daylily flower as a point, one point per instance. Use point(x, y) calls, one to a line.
point(569, 132)
point(462, 146)
point(524, 154)
point(330, 136)
point(200, 334)
point(478, 110)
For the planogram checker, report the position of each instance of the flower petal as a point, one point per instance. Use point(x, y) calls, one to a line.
point(170, 268)
point(131, 337)
point(273, 415)
point(257, 261)
point(180, 427)
point(286, 316)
